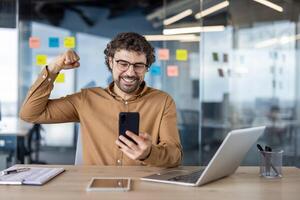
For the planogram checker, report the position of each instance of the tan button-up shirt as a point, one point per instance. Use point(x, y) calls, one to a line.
point(98, 110)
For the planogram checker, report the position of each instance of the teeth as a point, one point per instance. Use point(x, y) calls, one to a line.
point(130, 80)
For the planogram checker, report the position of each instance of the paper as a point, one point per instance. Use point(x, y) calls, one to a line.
point(60, 78)
point(225, 57)
point(215, 56)
point(155, 70)
point(163, 54)
point(41, 60)
point(34, 176)
point(69, 42)
point(34, 42)
point(53, 42)
point(181, 54)
point(172, 71)
point(221, 72)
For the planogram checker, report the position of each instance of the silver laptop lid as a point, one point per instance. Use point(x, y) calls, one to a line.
point(230, 154)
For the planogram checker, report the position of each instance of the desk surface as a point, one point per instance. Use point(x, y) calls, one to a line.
point(244, 184)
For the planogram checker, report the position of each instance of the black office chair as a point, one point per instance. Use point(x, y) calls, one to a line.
point(33, 144)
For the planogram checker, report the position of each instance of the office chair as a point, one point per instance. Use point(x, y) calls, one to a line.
point(33, 144)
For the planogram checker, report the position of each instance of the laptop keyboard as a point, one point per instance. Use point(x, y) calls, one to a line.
point(188, 178)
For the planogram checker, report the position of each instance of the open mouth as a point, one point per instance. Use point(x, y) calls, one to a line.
point(128, 80)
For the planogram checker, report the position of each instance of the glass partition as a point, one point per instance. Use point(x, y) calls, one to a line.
point(227, 64)
point(243, 73)
point(250, 76)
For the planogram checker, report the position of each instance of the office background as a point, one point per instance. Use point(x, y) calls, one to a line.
point(235, 64)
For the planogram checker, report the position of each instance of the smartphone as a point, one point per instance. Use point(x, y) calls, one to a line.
point(121, 184)
point(129, 121)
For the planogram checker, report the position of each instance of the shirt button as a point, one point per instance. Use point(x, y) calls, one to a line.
point(49, 79)
point(44, 76)
point(120, 183)
point(126, 102)
point(119, 162)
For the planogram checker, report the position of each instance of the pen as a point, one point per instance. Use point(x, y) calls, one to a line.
point(262, 152)
point(14, 171)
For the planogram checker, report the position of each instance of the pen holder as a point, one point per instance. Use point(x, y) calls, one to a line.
point(271, 164)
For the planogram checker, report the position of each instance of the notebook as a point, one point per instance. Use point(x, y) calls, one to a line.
point(224, 163)
point(32, 176)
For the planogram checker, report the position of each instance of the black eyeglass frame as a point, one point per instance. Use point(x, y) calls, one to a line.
point(135, 67)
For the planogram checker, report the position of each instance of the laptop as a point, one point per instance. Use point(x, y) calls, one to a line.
point(224, 163)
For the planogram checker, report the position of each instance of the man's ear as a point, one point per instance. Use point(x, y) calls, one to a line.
point(110, 62)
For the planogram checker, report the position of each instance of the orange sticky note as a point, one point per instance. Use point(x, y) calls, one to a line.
point(181, 54)
point(60, 78)
point(163, 54)
point(172, 70)
point(34, 42)
point(69, 42)
point(41, 60)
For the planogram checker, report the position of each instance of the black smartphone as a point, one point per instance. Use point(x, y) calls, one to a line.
point(129, 121)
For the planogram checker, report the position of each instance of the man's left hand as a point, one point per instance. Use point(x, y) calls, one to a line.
point(139, 151)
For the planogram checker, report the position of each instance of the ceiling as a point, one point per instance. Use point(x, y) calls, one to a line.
point(54, 10)
point(239, 12)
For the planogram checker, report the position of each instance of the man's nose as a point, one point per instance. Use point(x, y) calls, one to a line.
point(130, 70)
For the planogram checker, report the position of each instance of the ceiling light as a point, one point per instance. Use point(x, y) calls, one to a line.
point(178, 17)
point(195, 29)
point(270, 5)
point(185, 37)
point(279, 40)
point(212, 9)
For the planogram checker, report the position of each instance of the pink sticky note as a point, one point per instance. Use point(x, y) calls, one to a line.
point(163, 54)
point(34, 42)
point(172, 70)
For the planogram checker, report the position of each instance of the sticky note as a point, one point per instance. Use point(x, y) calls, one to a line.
point(69, 42)
point(155, 70)
point(215, 56)
point(225, 57)
point(60, 78)
point(181, 54)
point(221, 72)
point(34, 42)
point(163, 54)
point(53, 42)
point(41, 60)
point(172, 70)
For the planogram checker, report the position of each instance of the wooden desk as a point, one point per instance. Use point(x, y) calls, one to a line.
point(244, 184)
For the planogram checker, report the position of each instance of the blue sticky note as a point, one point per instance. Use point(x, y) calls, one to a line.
point(155, 70)
point(53, 42)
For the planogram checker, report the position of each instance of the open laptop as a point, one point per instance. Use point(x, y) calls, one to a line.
point(224, 163)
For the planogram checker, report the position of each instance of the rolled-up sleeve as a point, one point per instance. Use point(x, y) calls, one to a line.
point(38, 108)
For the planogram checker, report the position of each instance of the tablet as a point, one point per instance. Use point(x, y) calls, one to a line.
point(120, 184)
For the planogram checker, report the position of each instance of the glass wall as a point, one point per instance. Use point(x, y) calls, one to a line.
point(246, 75)
point(258, 64)
point(235, 65)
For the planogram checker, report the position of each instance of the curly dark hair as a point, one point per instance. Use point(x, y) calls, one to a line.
point(132, 42)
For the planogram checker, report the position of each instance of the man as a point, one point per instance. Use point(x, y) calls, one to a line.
point(128, 57)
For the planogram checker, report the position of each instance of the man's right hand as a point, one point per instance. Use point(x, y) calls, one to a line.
point(67, 60)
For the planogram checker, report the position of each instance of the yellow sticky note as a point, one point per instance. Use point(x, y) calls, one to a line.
point(181, 54)
point(60, 78)
point(69, 42)
point(41, 60)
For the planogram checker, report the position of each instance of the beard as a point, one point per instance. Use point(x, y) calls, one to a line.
point(128, 84)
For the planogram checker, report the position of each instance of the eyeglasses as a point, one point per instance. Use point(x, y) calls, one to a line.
point(124, 65)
